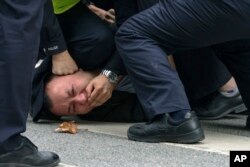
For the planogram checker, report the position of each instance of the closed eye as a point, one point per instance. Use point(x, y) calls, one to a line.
point(73, 104)
point(71, 93)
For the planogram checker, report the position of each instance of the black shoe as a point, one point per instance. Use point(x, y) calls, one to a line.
point(219, 106)
point(27, 155)
point(248, 122)
point(160, 130)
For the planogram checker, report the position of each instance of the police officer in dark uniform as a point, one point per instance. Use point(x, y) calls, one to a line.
point(20, 24)
point(171, 26)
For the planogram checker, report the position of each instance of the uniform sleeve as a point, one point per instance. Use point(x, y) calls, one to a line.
point(52, 31)
point(116, 65)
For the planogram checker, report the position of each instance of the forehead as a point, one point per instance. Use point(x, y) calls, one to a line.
point(57, 90)
point(62, 78)
point(59, 101)
point(61, 82)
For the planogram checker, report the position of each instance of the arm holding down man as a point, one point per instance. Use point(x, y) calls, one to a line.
point(90, 87)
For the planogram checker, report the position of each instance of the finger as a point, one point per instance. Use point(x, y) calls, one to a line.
point(56, 72)
point(110, 16)
point(95, 104)
point(112, 11)
point(101, 99)
point(93, 96)
point(98, 101)
point(110, 21)
point(89, 89)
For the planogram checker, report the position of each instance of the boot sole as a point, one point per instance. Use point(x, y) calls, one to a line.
point(195, 136)
point(24, 165)
point(237, 109)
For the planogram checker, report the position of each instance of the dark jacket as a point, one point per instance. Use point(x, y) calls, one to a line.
point(53, 42)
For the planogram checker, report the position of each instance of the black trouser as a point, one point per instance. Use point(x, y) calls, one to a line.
point(90, 41)
point(171, 26)
point(20, 23)
point(201, 72)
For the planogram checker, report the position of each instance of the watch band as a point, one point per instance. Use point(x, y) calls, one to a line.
point(112, 76)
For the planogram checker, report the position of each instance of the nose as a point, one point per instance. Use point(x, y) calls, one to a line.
point(80, 98)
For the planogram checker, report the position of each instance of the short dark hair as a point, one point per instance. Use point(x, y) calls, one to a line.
point(47, 102)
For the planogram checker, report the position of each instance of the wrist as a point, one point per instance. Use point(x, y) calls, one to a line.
point(61, 55)
point(110, 75)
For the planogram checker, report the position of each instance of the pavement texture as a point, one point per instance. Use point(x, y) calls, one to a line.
point(102, 144)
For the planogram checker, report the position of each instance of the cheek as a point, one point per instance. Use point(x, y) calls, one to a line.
point(60, 109)
point(84, 110)
point(81, 85)
point(57, 111)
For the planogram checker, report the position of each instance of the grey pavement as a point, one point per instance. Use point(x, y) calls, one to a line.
point(100, 144)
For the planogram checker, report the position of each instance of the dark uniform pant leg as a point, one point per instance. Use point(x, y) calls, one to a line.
point(20, 23)
point(201, 72)
point(170, 26)
point(124, 10)
point(236, 56)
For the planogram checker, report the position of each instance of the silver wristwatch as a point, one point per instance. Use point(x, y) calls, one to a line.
point(112, 77)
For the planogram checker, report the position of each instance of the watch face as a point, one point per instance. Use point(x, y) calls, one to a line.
point(112, 77)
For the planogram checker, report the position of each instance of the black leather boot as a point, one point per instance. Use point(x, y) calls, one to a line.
point(27, 155)
point(219, 106)
point(161, 130)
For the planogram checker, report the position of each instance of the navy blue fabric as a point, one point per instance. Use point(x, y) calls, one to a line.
point(201, 72)
point(176, 25)
point(88, 38)
point(20, 23)
point(106, 5)
point(124, 9)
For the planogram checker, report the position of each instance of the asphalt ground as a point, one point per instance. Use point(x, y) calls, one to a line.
point(100, 144)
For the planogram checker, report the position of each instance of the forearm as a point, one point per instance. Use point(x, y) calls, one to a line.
point(55, 40)
point(116, 65)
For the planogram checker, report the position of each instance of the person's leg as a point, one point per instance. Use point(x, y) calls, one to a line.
point(220, 103)
point(124, 10)
point(228, 87)
point(90, 41)
point(145, 4)
point(236, 57)
point(168, 25)
point(202, 74)
point(19, 40)
point(211, 90)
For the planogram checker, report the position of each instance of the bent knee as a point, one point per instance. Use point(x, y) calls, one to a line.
point(104, 38)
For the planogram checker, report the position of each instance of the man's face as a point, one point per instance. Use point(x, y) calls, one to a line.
point(67, 93)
